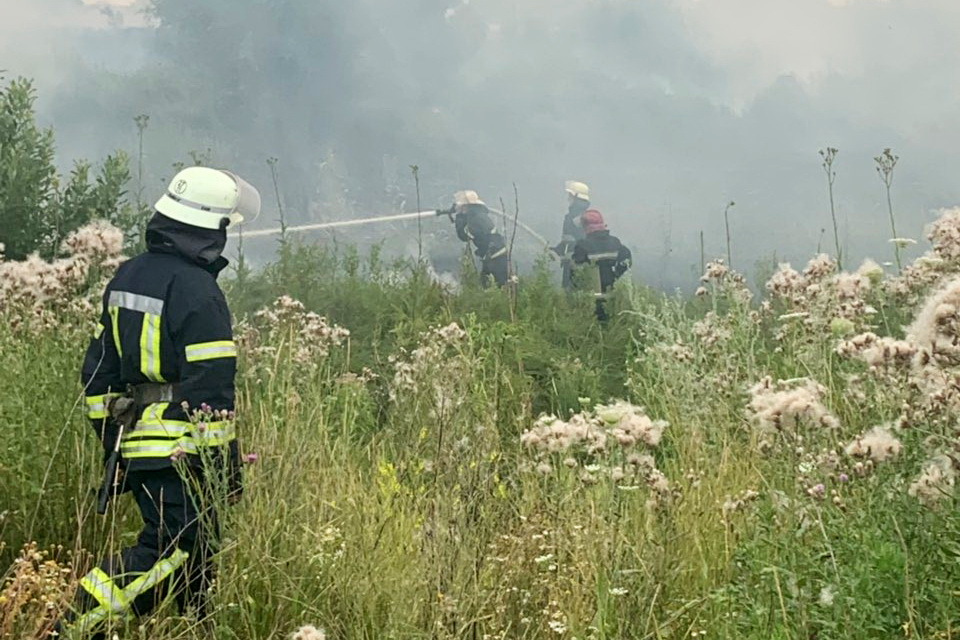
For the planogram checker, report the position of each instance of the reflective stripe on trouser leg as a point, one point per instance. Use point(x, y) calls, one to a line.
point(157, 574)
point(112, 601)
point(102, 587)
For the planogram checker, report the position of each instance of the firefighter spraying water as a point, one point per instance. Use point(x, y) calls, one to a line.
point(471, 216)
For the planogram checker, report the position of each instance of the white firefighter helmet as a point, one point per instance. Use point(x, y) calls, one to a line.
point(577, 189)
point(463, 198)
point(204, 197)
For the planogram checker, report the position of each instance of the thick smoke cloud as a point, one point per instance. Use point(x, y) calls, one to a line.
point(668, 108)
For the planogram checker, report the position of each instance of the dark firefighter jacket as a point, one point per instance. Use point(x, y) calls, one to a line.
point(611, 258)
point(572, 231)
point(474, 224)
point(165, 320)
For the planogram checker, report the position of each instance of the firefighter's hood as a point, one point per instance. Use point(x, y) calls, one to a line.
point(203, 247)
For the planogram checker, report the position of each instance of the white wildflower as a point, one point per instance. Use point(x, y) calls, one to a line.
point(902, 242)
point(557, 627)
point(936, 482)
point(819, 268)
point(827, 595)
point(308, 632)
point(779, 406)
point(878, 444)
point(871, 270)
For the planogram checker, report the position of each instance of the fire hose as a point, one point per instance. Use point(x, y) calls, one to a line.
point(391, 218)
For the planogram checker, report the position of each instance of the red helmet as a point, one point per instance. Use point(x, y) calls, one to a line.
point(592, 220)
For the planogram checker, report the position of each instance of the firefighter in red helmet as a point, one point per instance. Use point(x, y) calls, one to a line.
point(604, 254)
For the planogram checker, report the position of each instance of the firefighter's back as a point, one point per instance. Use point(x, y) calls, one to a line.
point(143, 300)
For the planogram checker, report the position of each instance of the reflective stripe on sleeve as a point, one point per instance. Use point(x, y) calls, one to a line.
point(499, 253)
point(98, 331)
point(211, 350)
point(150, 347)
point(97, 405)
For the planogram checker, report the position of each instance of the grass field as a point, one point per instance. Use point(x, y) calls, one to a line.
point(494, 464)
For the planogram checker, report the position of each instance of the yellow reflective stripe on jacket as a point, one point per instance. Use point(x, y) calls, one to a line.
point(97, 405)
point(156, 448)
point(135, 302)
point(499, 253)
point(154, 436)
point(210, 350)
point(153, 446)
point(214, 434)
point(152, 424)
point(98, 331)
point(609, 255)
point(150, 348)
point(104, 589)
point(115, 322)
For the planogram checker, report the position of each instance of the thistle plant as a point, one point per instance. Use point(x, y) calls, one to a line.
point(886, 162)
point(141, 121)
point(828, 157)
point(726, 224)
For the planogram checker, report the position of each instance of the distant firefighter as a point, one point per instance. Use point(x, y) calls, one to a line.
point(471, 217)
point(602, 256)
point(578, 201)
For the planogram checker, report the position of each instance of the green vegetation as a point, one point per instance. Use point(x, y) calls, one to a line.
point(396, 494)
point(38, 207)
point(495, 464)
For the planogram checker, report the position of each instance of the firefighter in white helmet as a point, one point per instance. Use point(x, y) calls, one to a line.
point(471, 217)
point(578, 201)
point(159, 384)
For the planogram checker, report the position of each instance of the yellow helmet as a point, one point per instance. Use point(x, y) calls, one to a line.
point(577, 190)
point(463, 198)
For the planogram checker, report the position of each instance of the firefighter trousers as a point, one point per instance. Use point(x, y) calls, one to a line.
point(172, 557)
point(496, 268)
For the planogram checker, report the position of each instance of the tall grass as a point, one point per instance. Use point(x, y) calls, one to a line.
point(393, 498)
